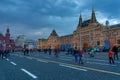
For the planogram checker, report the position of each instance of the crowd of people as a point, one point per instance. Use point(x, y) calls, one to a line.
point(112, 54)
point(56, 51)
point(77, 53)
point(4, 53)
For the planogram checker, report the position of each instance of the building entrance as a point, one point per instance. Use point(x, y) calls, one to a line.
point(85, 45)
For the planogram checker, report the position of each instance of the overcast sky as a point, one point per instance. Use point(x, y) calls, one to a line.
point(37, 18)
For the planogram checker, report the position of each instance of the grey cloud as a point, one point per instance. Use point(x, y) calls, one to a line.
point(33, 15)
point(109, 7)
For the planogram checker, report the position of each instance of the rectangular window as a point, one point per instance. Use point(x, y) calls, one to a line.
point(98, 42)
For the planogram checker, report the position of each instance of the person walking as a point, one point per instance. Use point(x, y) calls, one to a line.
point(57, 51)
point(115, 50)
point(92, 52)
point(2, 54)
point(49, 51)
point(80, 54)
point(76, 55)
point(110, 54)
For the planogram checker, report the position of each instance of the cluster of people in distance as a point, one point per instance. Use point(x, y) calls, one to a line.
point(112, 54)
point(78, 53)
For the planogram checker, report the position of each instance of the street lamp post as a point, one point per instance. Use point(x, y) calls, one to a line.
point(108, 30)
point(115, 34)
point(93, 37)
point(53, 42)
point(79, 40)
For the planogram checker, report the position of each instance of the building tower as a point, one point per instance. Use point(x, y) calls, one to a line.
point(93, 17)
point(80, 21)
point(53, 33)
point(53, 39)
point(7, 35)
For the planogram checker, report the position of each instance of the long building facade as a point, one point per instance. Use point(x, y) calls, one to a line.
point(88, 33)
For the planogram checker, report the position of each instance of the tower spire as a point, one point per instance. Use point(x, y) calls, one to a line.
point(80, 21)
point(8, 30)
point(53, 33)
point(7, 35)
point(93, 17)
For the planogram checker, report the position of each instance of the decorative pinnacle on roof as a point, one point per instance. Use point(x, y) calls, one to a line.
point(8, 30)
point(93, 17)
point(53, 33)
point(84, 23)
point(80, 20)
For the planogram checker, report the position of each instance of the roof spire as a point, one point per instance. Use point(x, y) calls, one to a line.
point(7, 30)
point(93, 17)
point(53, 33)
point(80, 20)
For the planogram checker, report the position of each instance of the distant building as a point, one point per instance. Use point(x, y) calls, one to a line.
point(5, 42)
point(31, 44)
point(89, 33)
point(20, 41)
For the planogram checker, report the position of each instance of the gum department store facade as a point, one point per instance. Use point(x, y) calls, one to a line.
point(89, 33)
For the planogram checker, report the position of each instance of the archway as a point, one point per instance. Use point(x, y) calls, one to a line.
point(85, 45)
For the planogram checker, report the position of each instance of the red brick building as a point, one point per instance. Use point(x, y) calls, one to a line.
point(5, 42)
point(89, 33)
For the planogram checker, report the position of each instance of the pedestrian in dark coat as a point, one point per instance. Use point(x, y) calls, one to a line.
point(80, 54)
point(115, 50)
point(49, 51)
point(76, 55)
